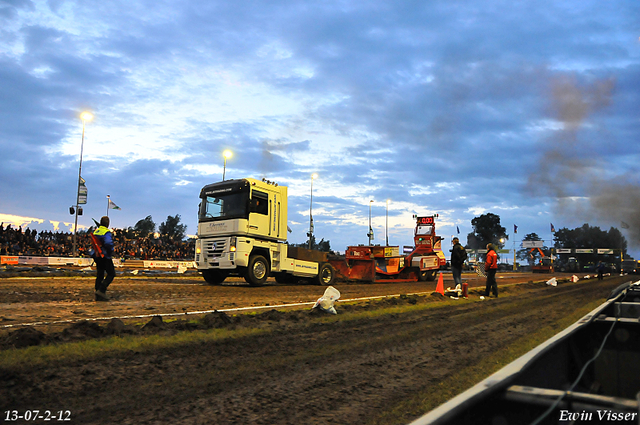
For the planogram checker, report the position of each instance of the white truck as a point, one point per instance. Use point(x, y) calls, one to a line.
point(242, 231)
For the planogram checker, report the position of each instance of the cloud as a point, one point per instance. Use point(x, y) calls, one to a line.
point(443, 107)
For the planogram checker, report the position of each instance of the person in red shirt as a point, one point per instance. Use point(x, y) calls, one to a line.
point(490, 268)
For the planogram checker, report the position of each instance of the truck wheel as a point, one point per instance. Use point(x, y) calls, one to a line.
point(214, 277)
point(423, 276)
point(257, 271)
point(326, 275)
point(431, 275)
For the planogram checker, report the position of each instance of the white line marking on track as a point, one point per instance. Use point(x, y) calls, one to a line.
point(142, 316)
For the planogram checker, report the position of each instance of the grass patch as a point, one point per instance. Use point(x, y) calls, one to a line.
point(433, 396)
point(98, 348)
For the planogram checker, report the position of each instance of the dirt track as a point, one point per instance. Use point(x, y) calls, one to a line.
point(304, 371)
point(51, 299)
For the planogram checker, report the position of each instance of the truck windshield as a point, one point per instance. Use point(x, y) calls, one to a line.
point(224, 206)
point(424, 229)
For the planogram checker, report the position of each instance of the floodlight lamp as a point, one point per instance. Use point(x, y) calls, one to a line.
point(227, 154)
point(86, 116)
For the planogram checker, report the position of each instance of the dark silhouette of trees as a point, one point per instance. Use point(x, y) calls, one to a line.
point(145, 227)
point(172, 230)
point(486, 229)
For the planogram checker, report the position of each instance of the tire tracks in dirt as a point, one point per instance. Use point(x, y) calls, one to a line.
point(346, 372)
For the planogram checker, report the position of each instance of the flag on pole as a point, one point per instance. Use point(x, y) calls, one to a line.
point(82, 192)
point(624, 225)
point(553, 229)
point(112, 205)
point(515, 229)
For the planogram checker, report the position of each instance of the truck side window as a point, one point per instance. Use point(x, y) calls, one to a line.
point(259, 203)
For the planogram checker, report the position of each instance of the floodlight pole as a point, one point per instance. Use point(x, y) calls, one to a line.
point(370, 234)
point(313, 176)
point(75, 226)
point(386, 229)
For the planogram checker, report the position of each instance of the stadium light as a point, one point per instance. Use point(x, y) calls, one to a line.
point(226, 154)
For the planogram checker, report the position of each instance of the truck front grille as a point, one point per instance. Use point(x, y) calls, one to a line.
point(214, 248)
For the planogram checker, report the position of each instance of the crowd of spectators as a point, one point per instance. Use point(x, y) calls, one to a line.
point(15, 241)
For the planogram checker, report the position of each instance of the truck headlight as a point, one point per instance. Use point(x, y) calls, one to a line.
point(232, 244)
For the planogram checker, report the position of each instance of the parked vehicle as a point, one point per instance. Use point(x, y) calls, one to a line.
point(242, 231)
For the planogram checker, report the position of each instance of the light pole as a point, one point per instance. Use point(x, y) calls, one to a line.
point(108, 199)
point(85, 116)
point(370, 234)
point(313, 176)
point(226, 154)
point(386, 229)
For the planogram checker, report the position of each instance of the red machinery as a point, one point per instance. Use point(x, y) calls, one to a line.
point(544, 266)
point(385, 264)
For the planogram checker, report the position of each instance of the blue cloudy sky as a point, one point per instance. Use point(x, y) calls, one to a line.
point(525, 109)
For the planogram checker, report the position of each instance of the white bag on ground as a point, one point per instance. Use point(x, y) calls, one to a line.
point(552, 282)
point(455, 292)
point(574, 278)
point(326, 302)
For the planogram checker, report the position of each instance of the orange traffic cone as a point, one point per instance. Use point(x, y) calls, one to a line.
point(440, 286)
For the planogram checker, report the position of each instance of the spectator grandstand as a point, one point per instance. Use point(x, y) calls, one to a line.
point(60, 244)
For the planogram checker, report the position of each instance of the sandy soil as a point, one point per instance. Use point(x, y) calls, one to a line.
point(304, 371)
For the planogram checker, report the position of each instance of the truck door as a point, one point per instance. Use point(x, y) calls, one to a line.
point(259, 213)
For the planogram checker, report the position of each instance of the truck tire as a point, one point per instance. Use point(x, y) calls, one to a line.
point(326, 275)
point(427, 275)
point(423, 275)
point(257, 271)
point(214, 277)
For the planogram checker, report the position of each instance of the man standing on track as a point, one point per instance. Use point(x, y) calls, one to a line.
point(490, 268)
point(102, 251)
point(458, 255)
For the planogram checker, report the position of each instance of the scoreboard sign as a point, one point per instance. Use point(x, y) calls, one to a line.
point(426, 220)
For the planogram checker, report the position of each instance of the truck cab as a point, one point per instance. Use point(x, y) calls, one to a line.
point(242, 230)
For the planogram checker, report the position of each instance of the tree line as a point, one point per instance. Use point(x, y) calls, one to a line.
point(170, 230)
point(487, 229)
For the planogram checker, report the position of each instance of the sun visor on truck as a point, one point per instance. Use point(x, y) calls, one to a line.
point(222, 188)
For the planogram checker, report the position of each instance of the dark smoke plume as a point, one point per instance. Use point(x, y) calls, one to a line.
point(570, 170)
